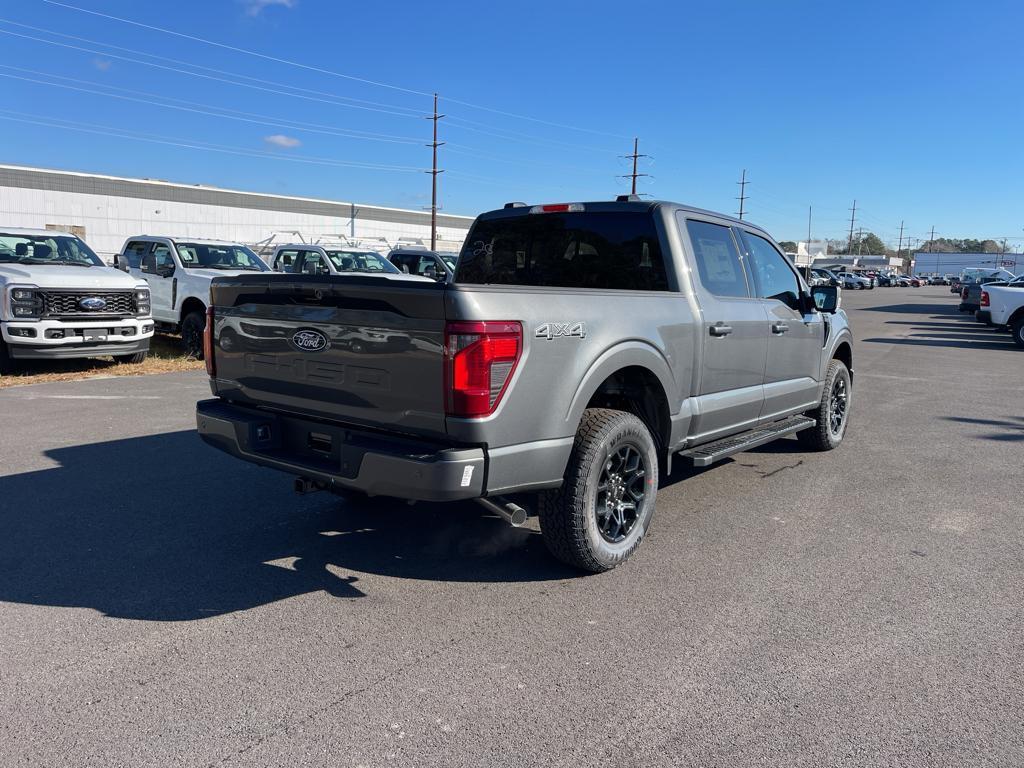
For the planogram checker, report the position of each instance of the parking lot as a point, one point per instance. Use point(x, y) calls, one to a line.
point(162, 603)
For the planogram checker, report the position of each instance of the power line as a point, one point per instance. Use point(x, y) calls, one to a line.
point(509, 135)
point(236, 49)
point(111, 131)
point(332, 100)
point(204, 109)
point(321, 70)
point(412, 112)
point(108, 55)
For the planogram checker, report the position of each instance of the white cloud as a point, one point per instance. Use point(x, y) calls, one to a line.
point(280, 140)
point(102, 64)
point(255, 7)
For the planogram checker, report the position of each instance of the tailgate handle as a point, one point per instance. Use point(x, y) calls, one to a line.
point(720, 330)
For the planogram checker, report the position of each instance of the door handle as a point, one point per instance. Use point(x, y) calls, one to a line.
point(779, 328)
point(720, 330)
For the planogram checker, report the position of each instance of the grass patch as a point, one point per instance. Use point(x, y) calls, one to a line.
point(165, 356)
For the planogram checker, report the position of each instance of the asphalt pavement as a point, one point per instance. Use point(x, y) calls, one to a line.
point(162, 604)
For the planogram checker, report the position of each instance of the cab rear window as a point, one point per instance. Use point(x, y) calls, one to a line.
point(618, 251)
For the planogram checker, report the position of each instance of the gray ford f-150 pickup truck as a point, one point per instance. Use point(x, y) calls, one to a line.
point(578, 349)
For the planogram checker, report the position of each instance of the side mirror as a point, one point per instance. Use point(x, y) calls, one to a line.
point(826, 298)
point(149, 264)
point(165, 270)
point(430, 271)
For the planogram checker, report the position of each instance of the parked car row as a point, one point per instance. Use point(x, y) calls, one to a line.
point(59, 300)
point(179, 272)
point(996, 297)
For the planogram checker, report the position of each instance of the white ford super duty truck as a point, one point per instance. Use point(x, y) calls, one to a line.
point(59, 300)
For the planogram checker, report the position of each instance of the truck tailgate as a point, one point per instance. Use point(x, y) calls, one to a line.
point(363, 350)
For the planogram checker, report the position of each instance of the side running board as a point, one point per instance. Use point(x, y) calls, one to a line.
point(709, 453)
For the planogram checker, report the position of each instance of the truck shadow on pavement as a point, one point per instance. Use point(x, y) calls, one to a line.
point(1009, 430)
point(943, 326)
point(163, 528)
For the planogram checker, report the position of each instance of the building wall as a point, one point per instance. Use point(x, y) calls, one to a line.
point(111, 209)
point(942, 263)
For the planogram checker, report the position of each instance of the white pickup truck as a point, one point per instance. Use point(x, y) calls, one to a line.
point(179, 272)
point(58, 300)
point(1003, 305)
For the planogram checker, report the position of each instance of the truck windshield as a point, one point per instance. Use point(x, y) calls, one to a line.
point(216, 256)
point(46, 249)
point(615, 250)
point(360, 261)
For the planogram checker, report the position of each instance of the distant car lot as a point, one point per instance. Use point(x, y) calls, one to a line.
point(862, 610)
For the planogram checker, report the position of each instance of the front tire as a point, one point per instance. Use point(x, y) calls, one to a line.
point(192, 328)
point(832, 413)
point(600, 515)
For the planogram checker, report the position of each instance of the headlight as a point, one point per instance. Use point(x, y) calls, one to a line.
point(142, 303)
point(26, 303)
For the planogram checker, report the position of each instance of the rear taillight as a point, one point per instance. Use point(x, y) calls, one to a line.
point(480, 358)
point(984, 298)
point(211, 365)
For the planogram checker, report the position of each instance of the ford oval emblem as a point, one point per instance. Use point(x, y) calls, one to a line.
point(92, 303)
point(310, 340)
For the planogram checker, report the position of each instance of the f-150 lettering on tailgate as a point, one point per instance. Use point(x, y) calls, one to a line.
point(304, 369)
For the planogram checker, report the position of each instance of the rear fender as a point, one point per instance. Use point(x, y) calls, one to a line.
point(624, 355)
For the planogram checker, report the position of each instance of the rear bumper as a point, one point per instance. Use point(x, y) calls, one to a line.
point(966, 306)
point(983, 316)
point(343, 458)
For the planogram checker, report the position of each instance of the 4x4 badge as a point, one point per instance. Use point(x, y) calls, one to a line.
point(551, 331)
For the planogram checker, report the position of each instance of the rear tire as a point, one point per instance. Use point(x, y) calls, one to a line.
point(832, 413)
point(1017, 329)
point(600, 515)
point(192, 328)
point(138, 357)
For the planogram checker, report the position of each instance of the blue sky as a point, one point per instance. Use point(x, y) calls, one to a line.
point(912, 109)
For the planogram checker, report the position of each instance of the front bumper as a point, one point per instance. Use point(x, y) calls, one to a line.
point(341, 457)
point(19, 350)
point(61, 334)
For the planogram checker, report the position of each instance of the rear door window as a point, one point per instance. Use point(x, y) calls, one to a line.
point(718, 259)
point(616, 250)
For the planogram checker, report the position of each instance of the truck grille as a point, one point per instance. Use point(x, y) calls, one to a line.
point(68, 303)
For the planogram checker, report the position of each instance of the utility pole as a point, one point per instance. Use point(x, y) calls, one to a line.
point(900, 246)
point(931, 242)
point(743, 189)
point(853, 218)
point(634, 157)
point(860, 240)
point(433, 179)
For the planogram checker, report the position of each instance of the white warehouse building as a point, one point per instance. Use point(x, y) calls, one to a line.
point(106, 210)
